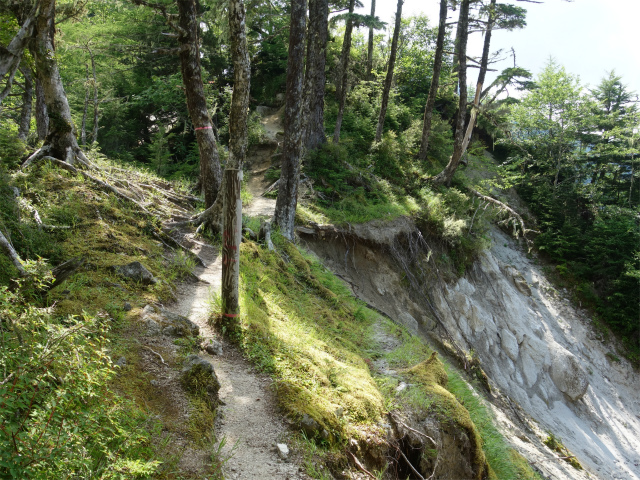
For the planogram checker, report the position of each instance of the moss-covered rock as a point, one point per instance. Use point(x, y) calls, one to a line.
point(460, 454)
point(199, 379)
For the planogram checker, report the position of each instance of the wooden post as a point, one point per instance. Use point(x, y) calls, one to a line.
point(231, 237)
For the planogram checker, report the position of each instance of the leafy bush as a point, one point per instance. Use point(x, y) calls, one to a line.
point(60, 420)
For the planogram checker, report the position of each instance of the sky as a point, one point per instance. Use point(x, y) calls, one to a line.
point(588, 37)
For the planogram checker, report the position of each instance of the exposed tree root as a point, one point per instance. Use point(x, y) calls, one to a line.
point(72, 157)
point(360, 466)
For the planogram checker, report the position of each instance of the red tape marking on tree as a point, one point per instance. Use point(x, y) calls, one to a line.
point(203, 128)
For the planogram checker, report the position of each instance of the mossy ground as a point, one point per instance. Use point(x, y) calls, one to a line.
point(301, 324)
point(108, 231)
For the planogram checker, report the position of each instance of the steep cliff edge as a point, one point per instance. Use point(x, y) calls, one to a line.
point(535, 346)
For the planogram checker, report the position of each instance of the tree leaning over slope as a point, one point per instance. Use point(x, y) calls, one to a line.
point(389, 78)
point(189, 51)
point(232, 203)
point(446, 175)
point(435, 80)
point(293, 135)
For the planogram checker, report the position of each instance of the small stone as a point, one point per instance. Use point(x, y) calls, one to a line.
point(283, 450)
point(401, 387)
point(121, 362)
point(212, 347)
point(126, 307)
point(309, 425)
point(339, 412)
point(155, 383)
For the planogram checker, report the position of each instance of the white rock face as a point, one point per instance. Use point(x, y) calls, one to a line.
point(544, 355)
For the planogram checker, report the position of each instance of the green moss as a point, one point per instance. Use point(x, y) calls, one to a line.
point(432, 376)
point(299, 326)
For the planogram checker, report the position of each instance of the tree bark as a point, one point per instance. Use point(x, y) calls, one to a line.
point(389, 78)
point(42, 117)
point(446, 175)
point(341, 89)
point(96, 110)
point(435, 80)
point(370, 43)
point(315, 76)
point(292, 148)
point(83, 126)
point(232, 205)
point(481, 75)
point(24, 124)
point(60, 141)
point(12, 254)
point(210, 171)
point(11, 55)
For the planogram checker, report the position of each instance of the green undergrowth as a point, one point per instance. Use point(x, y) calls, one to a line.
point(302, 326)
point(357, 188)
point(74, 412)
point(61, 416)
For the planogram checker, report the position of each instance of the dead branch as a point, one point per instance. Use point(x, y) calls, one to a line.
point(13, 255)
point(395, 419)
point(361, 467)
point(511, 211)
point(171, 243)
point(156, 353)
point(420, 477)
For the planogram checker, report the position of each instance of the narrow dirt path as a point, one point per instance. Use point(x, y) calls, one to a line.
point(249, 425)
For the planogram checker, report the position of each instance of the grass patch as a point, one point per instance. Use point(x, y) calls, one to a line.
point(301, 326)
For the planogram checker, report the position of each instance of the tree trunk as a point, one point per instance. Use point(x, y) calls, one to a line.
point(60, 141)
point(370, 44)
point(389, 79)
point(42, 117)
point(83, 127)
point(24, 124)
point(232, 206)
point(96, 110)
point(446, 175)
point(292, 148)
point(481, 76)
point(10, 57)
point(315, 77)
point(341, 89)
point(210, 171)
point(435, 80)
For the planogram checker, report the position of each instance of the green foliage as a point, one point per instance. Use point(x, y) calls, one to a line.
point(12, 149)
point(573, 158)
point(59, 417)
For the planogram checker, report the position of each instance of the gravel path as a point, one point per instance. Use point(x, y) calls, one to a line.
point(249, 425)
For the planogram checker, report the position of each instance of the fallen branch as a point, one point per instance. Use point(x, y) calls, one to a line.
point(272, 187)
point(169, 242)
point(13, 255)
point(153, 351)
point(511, 211)
point(104, 185)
